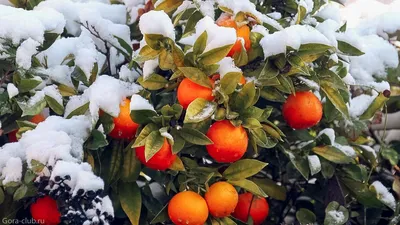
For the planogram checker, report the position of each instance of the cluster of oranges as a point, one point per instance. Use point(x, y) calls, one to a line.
point(221, 200)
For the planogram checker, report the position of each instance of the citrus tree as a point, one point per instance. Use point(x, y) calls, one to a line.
point(195, 112)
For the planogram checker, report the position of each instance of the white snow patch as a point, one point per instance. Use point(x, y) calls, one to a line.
point(149, 67)
point(12, 172)
point(337, 216)
point(384, 195)
point(12, 90)
point(53, 92)
point(140, 103)
point(227, 65)
point(128, 75)
point(314, 164)
point(25, 52)
point(157, 22)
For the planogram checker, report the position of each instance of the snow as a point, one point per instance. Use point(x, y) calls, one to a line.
point(328, 28)
point(52, 91)
point(337, 216)
point(35, 99)
point(87, 181)
point(379, 55)
point(330, 11)
point(64, 168)
point(204, 114)
point(18, 24)
point(314, 164)
point(384, 195)
point(133, 7)
point(307, 4)
point(12, 90)
point(12, 172)
point(106, 93)
point(75, 102)
point(260, 29)
point(310, 83)
point(157, 22)
point(206, 7)
point(227, 65)
point(149, 67)
point(167, 135)
point(183, 7)
point(369, 149)
point(128, 75)
point(25, 52)
point(359, 104)
point(275, 15)
point(293, 36)
point(349, 79)
point(107, 206)
point(217, 36)
point(140, 103)
point(60, 74)
point(347, 150)
point(72, 11)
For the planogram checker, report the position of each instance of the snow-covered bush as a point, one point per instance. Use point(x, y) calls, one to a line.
point(78, 63)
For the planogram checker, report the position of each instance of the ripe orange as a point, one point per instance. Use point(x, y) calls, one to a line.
point(12, 136)
point(258, 210)
point(45, 211)
point(188, 208)
point(124, 127)
point(216, 77)
point(230, 142)
point(162, 160)
point(221, 199)
point(302, 110)
point(242, 32)
point(188, 91)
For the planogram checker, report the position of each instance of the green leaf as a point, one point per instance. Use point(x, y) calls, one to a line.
point(124, 45)
point(54, 105)
point(301, 14)
point(199, 110)
point(298, 64)
point(161, 216)
point(230, 81)
point(29, 176)
point(244, 99)
point(179, 142)
point(154, 142)
point(301, 164)
point(96, 140)
point(131, 166)
point(66, 91)
point(243, 169)
point(20, 192)
point(142, 116)
point(194, 136)
point(79, 75)
point(146, 53)
point(192, 21)
point(81, 110)
point(251, 123)
point(177, 165)
point(305, 216)
point(286, 84)
point(390, 154)
point(153, 82)
point(332, 154)
point(361, 192)
point(200, 44)
point(34, 109)
point(349, 49)
point(327, 169)
point(334, 96)
point(240, 57)
point(271, 188)
point(115, 161)
point(330, 214)
point(37, 166)
point(169, 5)
point(196, 76)
point(131, 201)
point(268, 71)
point(154, 40)
point(215, 55)
point(166, 60)
point(261, 138)
point(26, 85)
point(272, 94)
point(141, 139)
point(249, 186)
point(376, 105)
point(308, 49)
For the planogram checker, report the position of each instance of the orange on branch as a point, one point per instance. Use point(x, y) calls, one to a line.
point(302, 110)
point(124, 127)
point(221, 199)
point(188, 91)
point(45, 211)
point(242, 33)
point(188, 208)
point(230, 142)
point(250, 205)
point(162, 160)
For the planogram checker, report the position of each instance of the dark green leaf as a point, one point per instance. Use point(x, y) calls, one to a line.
point(131, 201)
point(200, 43)
point(20, 192)
point(54, 105)
point(214, 55)
point(81, 110)
point(305, 216)
point(332, 154)
point(271, 188)
point(230, 81)
point(96, 140)
point(154, 142)
point(248, 186)
point(349, 49)
point(199, 110)
point(243, 169)
point(194, 136)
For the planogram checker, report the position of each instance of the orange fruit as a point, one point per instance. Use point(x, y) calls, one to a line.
point(230, 142)
point(162, 160)
point(188, 91)
point(188, 208)
point(124, 127)
point(221, 199)
point(258, 208)
point(12, 136)
point(216, 77)
point(303, 110)
point(242, 33)
point(45, 211)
